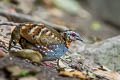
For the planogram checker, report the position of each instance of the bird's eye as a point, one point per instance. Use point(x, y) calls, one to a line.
point(72, 34)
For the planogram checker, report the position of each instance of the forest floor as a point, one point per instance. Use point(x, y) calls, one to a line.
point(90, 28)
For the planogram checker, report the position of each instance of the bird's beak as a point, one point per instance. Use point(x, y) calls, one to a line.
point(80, 39)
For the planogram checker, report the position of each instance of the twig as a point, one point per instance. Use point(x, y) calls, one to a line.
point(9, 23)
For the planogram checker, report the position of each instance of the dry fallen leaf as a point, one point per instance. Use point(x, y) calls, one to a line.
point(61, 64)
point(74, 73)
point(2, 53)
point(6, 40)
point(12, 28)
point(106, 73)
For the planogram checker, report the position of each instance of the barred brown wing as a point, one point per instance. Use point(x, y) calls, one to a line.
point(40, 34)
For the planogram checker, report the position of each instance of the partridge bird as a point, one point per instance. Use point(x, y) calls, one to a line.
point(41, 40)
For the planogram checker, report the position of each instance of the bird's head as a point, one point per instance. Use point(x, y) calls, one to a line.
point(70, 36)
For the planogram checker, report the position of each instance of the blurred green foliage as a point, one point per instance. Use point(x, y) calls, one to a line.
point(96, 25)
point(71, 6)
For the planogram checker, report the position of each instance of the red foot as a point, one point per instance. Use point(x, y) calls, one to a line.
point(46, 63)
